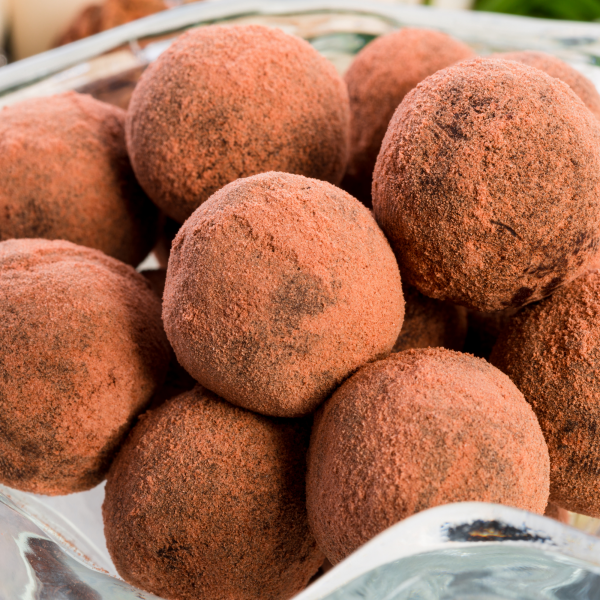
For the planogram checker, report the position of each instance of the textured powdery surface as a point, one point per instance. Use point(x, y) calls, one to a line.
point(278, 288)
point(228, 102)
point(420, 429)
point(487, 185)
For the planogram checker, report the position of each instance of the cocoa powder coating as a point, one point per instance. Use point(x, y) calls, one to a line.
point(420, 429)
point(278, 288)
point(207, 500)
point(555, 67)
point(487, 185)
point(378, 79)
point(82, 350)
point(228, 102)
point(552, 353)
point(430, 323)
point(66, 175)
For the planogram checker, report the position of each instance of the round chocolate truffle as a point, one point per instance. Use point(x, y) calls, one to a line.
point(66, 175)
point(207, 500)
point(378, 79)
point(228, 102)
point(430, 323)
point(552, 352)
point(82, 350)
point(420, 429)
point(555, 67)
point(487, 185)
point(278, 288)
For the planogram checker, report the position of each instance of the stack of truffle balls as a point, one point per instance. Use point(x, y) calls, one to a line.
point(305, 386)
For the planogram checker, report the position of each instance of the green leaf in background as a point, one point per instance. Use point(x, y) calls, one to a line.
point(572, 10)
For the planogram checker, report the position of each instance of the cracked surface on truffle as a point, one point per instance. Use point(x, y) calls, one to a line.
point(207, 500)
point(552, 352)
point(416, 430)
point(278, 288)
point(228, 102)
point(82, 350)
point(487, 185)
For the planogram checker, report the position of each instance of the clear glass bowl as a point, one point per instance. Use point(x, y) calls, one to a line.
point(54, 548)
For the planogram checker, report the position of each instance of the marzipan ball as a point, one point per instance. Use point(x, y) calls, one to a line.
point(555, 67)
point(66, 175)
point(228, 102)
point(207, 500)
point(82, 351)
point(278, 288)
point(420, 429)
point(429, 323)
point(378, 79)
point(487, 185)
point(552, 353)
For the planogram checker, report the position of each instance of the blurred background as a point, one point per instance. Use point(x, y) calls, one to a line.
point(28, 27)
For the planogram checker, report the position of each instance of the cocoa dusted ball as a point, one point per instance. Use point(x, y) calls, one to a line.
point(228, 102)
point(429, 323)
point(378, 79)
point(552, 353)
point(207, 500)
point(487, 185)
point(66, 175)
point(417, 430)
point(82, 351)
point(555, 67)
point(278, 288)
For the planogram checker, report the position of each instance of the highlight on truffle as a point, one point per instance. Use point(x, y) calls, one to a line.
point(416, 430)
point(430, 323)
point(82, 351)
point(228, 102)
point(66, 175)
point(552, 351)
point(487, 185)
point(278, 288)
point(378, 79)
point(207, 500)
point(555, 67)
